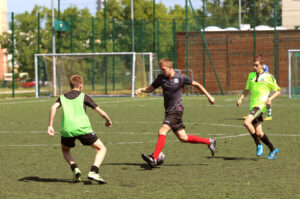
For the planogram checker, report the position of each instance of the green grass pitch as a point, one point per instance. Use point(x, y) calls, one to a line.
point(32, 166)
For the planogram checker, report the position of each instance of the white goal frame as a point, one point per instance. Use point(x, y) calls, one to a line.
point(91, 54)
point(290, 71)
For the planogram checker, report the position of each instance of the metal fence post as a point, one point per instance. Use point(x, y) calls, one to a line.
point(39, 51)
point(203, 56)
point(93, 50)
point(13, 53)
point(254, 29)
point(174, 44)
point(186, 44)
point(275, 39)
point(114, 61)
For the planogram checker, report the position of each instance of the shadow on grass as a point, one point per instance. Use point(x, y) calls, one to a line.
point(38, 179)
point(232, 158)
point(143, 166)
point(147, 167)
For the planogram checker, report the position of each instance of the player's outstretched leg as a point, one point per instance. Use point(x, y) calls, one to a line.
point(150, 160)
point(269, 116)
point(212, 145)
point(100, 154)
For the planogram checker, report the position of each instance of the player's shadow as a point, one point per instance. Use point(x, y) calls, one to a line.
point(143, 166)
point(232, 158)
point(46, 180)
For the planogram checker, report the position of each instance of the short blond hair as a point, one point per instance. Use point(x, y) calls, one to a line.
point(76, 81)
point(166, 62)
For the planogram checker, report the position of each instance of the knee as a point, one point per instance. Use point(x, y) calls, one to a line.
point(247, 123)
point(183, 138)
point(162, 132)
point(65, 149)
point(103, 148)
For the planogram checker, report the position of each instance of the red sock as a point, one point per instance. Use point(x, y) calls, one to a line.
point(196, 139)
point(159, 146)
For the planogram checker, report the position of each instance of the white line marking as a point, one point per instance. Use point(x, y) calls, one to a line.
point(36, 101)
point(154, 141)
point(232, 136)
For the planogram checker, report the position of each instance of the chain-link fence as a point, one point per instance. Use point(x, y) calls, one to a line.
point(218, 44)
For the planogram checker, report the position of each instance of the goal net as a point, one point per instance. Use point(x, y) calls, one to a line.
point(104, 74)
point(294, 73)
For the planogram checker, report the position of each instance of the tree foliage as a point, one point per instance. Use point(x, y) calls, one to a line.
point(223, 13)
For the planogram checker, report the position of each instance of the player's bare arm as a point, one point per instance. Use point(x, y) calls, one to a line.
point(104, 115)
point(245, 93)
point(275, 95)
point(51, 118)
point(203, 90)
point(148, 89)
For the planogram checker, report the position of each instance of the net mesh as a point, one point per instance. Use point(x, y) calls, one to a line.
point(295, 74)
point(102, 74)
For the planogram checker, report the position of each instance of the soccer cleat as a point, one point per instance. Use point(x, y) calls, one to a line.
point(268, 118)
point(259, 150)
point(212, 145)
point(150, 160)
point(273, 154)
point(76, 175)
point(95, 177)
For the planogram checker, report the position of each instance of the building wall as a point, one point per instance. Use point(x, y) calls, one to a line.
point(3, 28)
point(232, 55)
point(290, 13)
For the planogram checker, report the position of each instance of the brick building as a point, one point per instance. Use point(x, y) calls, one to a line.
point(232, 54)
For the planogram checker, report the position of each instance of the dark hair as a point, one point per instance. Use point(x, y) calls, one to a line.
point(76, 81)
point(259, 58)
point(166, 62)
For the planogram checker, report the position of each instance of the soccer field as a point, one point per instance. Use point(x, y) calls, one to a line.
point(32, 165)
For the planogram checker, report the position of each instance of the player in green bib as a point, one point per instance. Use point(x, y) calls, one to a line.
point(260, 84)
point(75, 124)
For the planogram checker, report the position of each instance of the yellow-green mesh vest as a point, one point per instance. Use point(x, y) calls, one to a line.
point(74, 118)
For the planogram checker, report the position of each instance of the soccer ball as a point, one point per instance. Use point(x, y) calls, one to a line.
point(161, 158)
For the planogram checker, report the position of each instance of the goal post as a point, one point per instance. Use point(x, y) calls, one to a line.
point(294, 73)
point(104, 74)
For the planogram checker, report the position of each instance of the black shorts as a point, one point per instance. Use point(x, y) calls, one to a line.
point(87, 139)
point(174, 120)
point(258, 115)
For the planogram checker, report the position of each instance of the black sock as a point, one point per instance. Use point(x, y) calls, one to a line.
point(73, 166)
point(95, 169)
point(267, 142)
point(255, 138)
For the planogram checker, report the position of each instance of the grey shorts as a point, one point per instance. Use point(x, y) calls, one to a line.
point(174, 120)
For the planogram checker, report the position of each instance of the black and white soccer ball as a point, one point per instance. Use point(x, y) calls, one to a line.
point(161, 158)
